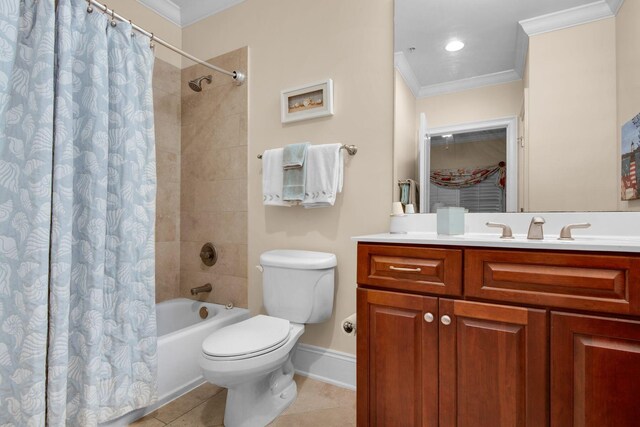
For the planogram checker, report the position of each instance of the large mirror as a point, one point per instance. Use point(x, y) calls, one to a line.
point(518, 105)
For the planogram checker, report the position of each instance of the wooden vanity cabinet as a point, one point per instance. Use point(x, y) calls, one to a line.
point(425, 361)
point(595, 371)
point(427, 358)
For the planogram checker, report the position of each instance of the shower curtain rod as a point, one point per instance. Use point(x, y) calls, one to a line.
point(238, 76)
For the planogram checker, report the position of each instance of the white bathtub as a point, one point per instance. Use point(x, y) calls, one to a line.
point(180, 335)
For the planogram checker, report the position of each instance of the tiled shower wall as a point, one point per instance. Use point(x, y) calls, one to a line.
point(213, 184)
point(166, 101)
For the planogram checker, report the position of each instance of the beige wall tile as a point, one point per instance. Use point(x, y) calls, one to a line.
point(225, 131)
point(168, 227)
point(167, 270)
point(167, 197)
point(167, 133)
point(168, 166)
point(230, 227)
point(166, 76)
point(213, 198)
point(167, 106)
point(197, 227)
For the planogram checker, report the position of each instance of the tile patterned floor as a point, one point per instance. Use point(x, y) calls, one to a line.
point(318, 404)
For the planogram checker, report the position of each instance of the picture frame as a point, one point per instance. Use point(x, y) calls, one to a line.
point(630, 157)
point(307, 102)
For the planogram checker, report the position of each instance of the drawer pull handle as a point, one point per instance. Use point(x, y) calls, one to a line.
point(412, 270)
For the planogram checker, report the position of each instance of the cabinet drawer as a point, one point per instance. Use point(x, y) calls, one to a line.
point(605, 283)
point(411, 268)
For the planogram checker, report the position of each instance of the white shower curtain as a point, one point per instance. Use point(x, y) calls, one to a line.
point(98, 155)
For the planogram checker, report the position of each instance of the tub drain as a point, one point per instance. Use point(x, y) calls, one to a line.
point(204, 313)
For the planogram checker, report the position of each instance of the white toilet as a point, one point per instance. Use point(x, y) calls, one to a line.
point(252, 359)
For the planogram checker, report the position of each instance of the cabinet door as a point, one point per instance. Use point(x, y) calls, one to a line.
point(493, 365)
point(397, 370)
point(595, 371)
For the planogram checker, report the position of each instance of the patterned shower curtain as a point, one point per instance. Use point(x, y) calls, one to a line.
point(26, 133)
point(99, 159)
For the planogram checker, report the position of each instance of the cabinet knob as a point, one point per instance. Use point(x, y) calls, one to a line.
point(428, 317)
point(446, 320)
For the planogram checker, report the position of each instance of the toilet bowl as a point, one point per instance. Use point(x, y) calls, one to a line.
point(260, 383)
point(252, 359)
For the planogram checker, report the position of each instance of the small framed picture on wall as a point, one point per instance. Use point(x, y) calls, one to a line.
point(307, 102)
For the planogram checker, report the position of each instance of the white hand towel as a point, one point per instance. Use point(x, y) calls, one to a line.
point(272, 178)
point(325, 169)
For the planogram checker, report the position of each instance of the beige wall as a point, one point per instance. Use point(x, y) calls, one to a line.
point(405, 146)
point(166, 102)
point(572, 160)
point(468, 154)
point(213, 199)
point(484, 103)
point(293, 42)
point(151, 21)
point(628, 69)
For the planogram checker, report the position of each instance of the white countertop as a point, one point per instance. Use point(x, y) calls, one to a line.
point(609, 231)
point(591, 243)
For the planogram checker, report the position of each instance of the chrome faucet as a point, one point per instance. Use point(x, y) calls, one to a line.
point(535, 228)
point(201, 289)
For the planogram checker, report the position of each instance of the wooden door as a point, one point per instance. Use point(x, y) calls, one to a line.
point(397, 370)
point(493, 365)
point(595, 371)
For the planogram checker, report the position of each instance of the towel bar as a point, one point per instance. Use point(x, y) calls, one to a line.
point(351, 149)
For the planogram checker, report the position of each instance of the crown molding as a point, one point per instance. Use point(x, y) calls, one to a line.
point(522, 46)
point(187, 15)
point(199, 10)
point(165, 8)
point(470, 83)
point(405, 70)
point(615, 5)
point(570, 17)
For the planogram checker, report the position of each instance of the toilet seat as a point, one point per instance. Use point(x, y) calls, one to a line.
point(250, 338)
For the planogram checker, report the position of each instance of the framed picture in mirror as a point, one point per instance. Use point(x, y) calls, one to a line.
point(630, 159)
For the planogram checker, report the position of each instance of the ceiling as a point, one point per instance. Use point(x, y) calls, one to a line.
point(187, 12)
point(495, 34)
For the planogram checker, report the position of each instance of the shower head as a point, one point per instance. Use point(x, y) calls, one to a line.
point(196, 84)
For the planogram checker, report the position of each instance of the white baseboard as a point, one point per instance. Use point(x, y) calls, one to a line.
point(329, 366)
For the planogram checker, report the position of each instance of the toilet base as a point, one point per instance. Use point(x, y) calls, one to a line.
point(258, 402)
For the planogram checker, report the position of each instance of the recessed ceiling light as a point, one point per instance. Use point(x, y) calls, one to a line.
point(454, 46)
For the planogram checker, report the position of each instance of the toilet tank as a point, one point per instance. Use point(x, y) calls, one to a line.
point(298, 285)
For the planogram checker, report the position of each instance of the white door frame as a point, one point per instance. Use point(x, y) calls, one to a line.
point(511, 125)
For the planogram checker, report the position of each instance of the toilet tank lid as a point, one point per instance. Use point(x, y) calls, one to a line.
point(301, 260)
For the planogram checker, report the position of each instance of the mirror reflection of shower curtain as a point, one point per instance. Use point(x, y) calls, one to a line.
point(424, 154)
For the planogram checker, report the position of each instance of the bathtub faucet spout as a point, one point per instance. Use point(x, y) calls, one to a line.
point(200, 289)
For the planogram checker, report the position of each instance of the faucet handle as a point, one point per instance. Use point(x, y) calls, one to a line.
point(506, 230)
point(565, 233)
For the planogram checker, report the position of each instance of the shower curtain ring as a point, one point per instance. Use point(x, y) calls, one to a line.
point(131, 25)
point(89, 7)
point(113, 18)
point(151, 44)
